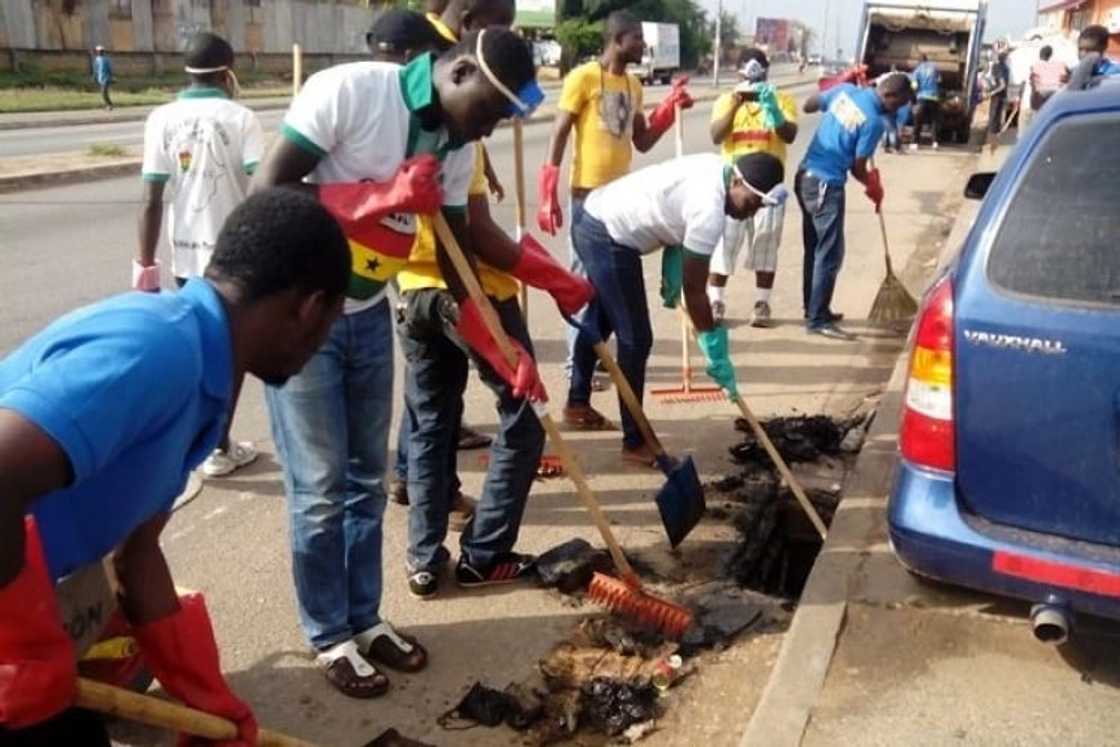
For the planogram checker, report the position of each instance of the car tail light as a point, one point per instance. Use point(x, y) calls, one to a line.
point(1057, 573)
point(926, 436)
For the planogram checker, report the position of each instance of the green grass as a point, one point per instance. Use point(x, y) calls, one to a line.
point(106, 150)
point(40, 92)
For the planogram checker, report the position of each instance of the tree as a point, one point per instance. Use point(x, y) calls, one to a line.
point(579, 38)
point(687, 14)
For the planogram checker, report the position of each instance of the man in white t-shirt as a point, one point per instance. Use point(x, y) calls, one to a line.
point(378, 143)
point(680, 204)
point(204, 146)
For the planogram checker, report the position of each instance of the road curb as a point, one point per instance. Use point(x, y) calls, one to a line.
point(785, 708)
point(17, 182)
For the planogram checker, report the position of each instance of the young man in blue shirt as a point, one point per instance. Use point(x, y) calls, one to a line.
point(1092, 46)
point(103, 415)
point(850, 129)
point(927, 80)
point(103, 74)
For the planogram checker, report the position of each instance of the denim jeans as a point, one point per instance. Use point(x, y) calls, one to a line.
point(620, 307)
point(575, 213)
point(822, 227)
point(331, 427)
point(435, 379)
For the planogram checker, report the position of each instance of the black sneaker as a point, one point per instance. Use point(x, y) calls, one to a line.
point(506, 569)
point(423, 584)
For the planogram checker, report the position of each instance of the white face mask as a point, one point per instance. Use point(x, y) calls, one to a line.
point(776, 197)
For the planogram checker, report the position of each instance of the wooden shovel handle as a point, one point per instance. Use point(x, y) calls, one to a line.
point(519, 185)
point(494, 326)
point(144, 709)
point(780, 463)
point(629, 398)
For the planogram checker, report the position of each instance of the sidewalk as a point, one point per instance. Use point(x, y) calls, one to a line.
point(875, 656)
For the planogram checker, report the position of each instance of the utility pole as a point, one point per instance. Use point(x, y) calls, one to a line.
point(719, 45)
point(824, 32)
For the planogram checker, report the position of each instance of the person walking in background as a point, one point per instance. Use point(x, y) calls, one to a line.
point(1047, 77)
point(927, 111)
point(602, 104)
point(204, 147)
point(993, 84)
point(754, 118)
point(103, 74)
point(850, 130)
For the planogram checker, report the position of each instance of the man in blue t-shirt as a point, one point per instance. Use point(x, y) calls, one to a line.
point(1092, 46)
point(927, 81)
point(102, 417)
point(850, 129)
point(103, 74)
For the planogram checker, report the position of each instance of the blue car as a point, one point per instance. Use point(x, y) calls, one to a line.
point(1009, 473)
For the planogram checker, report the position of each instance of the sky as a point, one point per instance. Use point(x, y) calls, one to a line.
point(1005, 17)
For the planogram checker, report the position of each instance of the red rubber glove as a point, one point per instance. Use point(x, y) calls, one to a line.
point(662, 118)
point(414, 188)
point(525, 380)
point(873, 188)
point(182, 654)
point(38, 676)
point(549, 217)
point(537, 268)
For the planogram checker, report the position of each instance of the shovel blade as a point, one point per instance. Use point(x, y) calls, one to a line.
point(681, 500)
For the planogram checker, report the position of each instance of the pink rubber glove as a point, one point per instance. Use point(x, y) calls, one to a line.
point(525, 380)
point(182, 654)
point(537, 268)
point(662, 118)
point(549, 217)
point(415, 188)
point(145, 278)
point(38, 677)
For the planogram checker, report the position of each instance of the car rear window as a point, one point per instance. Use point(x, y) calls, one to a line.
point(1060, 238)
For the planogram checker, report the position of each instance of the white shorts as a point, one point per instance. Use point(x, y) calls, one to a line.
point(764, 234)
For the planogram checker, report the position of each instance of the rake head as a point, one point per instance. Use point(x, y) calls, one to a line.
point(628, 600)
point(893, 303)
point(684, 395)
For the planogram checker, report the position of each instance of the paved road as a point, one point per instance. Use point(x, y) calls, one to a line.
point(70, 245)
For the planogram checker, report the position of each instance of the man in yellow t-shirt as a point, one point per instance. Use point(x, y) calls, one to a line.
point(754, 118)
point(603, 104)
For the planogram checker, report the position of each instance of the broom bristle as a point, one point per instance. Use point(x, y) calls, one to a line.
point(616, 595)
point(893, 302)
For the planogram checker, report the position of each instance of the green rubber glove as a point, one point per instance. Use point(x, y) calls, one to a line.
point(715, 345)
point(672, 275)
point(771, 109)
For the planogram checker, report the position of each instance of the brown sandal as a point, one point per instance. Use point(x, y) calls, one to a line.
point(641, 456)
point(384, 645)
point(587, 418)
point(350, 673)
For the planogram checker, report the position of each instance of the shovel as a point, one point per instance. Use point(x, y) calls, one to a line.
point(681, 499)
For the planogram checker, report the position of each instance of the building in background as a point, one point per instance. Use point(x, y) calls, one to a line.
point(1069, 17)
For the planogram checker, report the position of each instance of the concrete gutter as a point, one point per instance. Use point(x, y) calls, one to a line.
point(795, 684)
point(118, 168)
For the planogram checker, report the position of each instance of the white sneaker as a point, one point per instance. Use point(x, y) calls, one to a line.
point(221, 463)
point(913, 147)
point(936, 145)
point(761, 315)
point(719, 311)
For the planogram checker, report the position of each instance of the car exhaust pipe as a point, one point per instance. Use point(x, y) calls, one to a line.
point(1051, 623)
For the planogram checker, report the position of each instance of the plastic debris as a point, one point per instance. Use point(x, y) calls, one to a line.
point(612, 706)
point(570, 566)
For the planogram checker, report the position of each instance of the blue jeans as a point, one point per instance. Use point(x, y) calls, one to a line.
point(331, 427)
point(575, 213)
point(435, 379)
point(620, 307)
point(822, 227)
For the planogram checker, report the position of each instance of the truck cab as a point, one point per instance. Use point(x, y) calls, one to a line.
point(896, 33)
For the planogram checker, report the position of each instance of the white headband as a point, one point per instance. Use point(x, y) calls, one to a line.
point(775, 197)
point(205, 70)
point(513, 98)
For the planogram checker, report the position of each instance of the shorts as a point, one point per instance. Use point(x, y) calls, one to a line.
point(764, 234)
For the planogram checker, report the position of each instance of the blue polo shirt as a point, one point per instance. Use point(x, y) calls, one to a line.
point(851, 127)
point(928, 81)
point(135, 390)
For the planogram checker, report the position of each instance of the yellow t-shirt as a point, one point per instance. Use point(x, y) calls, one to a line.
point(422, 270)
point(748, 130)
point(603, 106)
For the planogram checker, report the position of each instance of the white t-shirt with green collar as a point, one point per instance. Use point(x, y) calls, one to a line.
point(362, 120)
point(205, 147)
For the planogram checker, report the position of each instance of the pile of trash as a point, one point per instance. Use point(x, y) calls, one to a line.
point(778, 546)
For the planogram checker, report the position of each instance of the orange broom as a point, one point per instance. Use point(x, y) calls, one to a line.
point(624, 596)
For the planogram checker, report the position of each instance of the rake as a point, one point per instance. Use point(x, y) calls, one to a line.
point(893, 303)
point(687, 393)
point(624, 596)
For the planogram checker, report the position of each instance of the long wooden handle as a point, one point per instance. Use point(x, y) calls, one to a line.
point(886, 243)
point(144, 709)
point(622, 384)
point(678, 129)
point(494, 326)
point(780, 463)
point(519, 185)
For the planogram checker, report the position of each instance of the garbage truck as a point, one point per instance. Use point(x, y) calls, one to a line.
point(895, 34)
point(662, 55)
